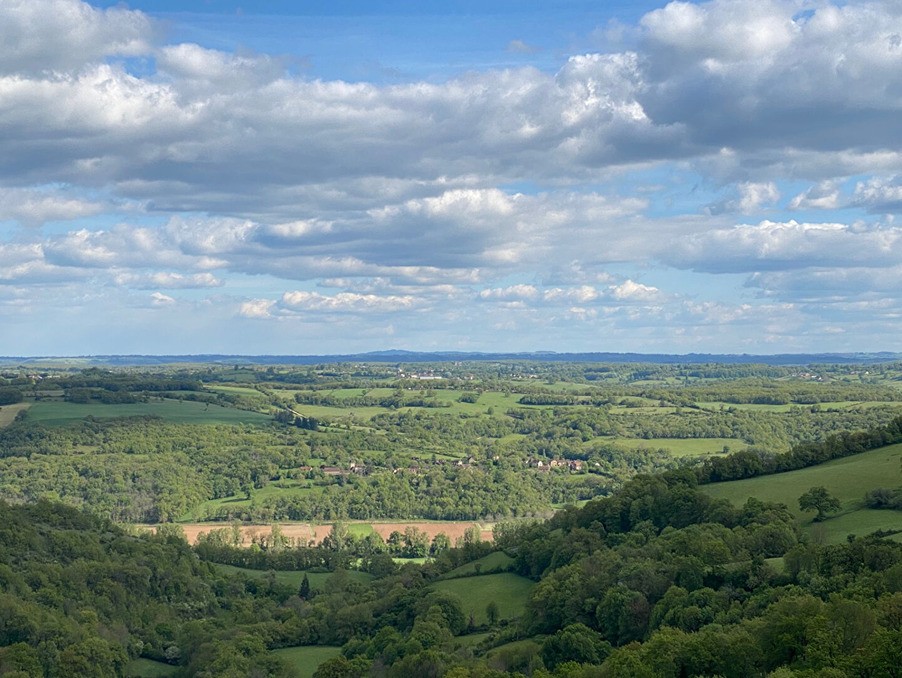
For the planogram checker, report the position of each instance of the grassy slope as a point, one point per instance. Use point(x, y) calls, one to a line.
point(847, 479)
point(8, 413)
point(509, 591)
point(681, 447)
point(293, 578)
point(497, 560)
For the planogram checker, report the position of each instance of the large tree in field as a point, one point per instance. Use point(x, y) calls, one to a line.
point(818, 499)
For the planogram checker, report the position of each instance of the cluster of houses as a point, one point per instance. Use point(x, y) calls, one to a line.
point(575, 465)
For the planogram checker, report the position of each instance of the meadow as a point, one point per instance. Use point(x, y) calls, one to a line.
point(508, 591)
point(293, 578)
point(847, 479)
point(55, 413)
point(305, 660)
point(8, 413)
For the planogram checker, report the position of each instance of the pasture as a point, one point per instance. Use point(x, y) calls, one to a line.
point(306, 659)
point(847, 479)
point(493, 562)
point(509, 591)
point(293, 578)
point(54, 413)
point(681, 447)
point(8, 413)
point(148, 668)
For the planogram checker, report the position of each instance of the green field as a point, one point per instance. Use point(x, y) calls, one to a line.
point(681, 447)
point(497, 560)
point(284, 488)
point(148, 668)
point(847, 479)
point(176, 411)
point(509, 591)
point(294, 578)
point(8, 413)
point(305, 660)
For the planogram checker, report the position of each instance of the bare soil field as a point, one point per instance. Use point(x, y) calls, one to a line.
point(307, 533)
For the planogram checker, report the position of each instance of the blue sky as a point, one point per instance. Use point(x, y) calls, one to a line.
point(282, 177)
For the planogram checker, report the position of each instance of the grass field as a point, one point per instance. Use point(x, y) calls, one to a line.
point(8, 413)
point(294, 578)
point(282, 488)
point(497, 560)
point(176, 411)
point(148, 668)
point(681, 447)
point(509, 591)
point(305, 660)
point(846, 479)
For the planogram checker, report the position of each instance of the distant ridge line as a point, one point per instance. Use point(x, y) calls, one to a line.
point(402, 356)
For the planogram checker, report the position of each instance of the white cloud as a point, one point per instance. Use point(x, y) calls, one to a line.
point(34, 207)
point(345, 302)
point(257, 308)
point(823, 196)
point(168, 280)
point(633, 291)
point(512, 293)
point(59, 35)
point(750, 198)
point(160, 299)
point(582, 294)
point(433, 195)
point(880, 194)
point(787, 245)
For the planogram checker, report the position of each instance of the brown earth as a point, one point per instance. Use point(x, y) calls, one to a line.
point(307, 533)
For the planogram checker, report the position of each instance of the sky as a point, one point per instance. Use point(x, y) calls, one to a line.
point(279, 177)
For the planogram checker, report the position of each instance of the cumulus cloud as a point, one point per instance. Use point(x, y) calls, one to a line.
point(160, 299)
point(423, 197)
point(512, 293)
point(823, 196)
point(344, 302)
point(787, 245)
point(61, 35)
point(750, 198)
point(880, 194)
point(168, 280)
point(34, 207)
point(633, 291)
point(257, 308)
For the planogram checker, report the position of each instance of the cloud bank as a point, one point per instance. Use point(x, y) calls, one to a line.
point(735, 167)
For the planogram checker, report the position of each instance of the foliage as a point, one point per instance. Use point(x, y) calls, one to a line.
point(818, 499)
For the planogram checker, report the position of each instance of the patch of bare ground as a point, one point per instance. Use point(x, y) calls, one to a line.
point(311, 534)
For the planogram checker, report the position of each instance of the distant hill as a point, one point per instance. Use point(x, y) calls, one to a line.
point(399, 356)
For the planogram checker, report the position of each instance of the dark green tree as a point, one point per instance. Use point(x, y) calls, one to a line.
point(820, 500)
